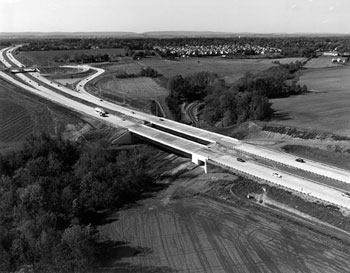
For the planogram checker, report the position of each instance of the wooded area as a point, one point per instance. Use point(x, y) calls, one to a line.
point(50, 196)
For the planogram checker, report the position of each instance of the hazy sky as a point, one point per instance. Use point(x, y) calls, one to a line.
point(264, 16)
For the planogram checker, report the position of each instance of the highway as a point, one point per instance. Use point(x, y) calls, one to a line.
point(36, 84)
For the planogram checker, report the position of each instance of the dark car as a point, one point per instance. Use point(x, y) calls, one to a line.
point(240, 159)
point(300, 160)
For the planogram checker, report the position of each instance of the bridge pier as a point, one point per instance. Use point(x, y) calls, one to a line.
point(200, 161)
point(125, 139)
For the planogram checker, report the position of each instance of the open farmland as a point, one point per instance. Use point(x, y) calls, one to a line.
point(45, 58)
point(181, 230)
point(230, 69)
point(325, 108)
point(322, 62)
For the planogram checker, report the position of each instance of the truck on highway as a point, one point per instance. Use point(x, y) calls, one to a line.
point(102, 112)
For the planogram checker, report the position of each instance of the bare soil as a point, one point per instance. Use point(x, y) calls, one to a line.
point(196, 225)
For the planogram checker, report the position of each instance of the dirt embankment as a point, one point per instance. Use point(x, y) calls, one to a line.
point(205, 223)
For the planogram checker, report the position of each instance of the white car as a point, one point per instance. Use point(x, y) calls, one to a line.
point(277, 175)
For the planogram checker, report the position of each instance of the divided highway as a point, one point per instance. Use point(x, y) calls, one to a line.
point(182, 137)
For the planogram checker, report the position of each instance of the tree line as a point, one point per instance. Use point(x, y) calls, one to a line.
point(50, 193)
point(82, 58)
point(291, 46)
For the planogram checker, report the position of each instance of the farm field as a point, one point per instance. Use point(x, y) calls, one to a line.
point(45, 58)
point(325, 108)
point(230, 69)
point(15, 121)
point(322, 62)
point(178, 230)
point(22, 115)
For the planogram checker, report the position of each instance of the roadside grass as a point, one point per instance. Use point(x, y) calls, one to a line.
point(125, 67)
point(303, 134)
point(137, 92)
point(136, 88)
point(341, 160)
point(46, 58)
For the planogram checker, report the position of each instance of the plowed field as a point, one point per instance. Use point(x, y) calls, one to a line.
point(22, 114)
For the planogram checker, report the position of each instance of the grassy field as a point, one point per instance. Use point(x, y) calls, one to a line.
point(128, 67)
point(137, 88)
point(230, 69)
point(325, 108)
point(321, 62)
point(181, 230)
point(44, 58)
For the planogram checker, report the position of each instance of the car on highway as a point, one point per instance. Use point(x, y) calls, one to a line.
point(277, 175)
point(300, 160)
point(240, 159)
point(346, 194)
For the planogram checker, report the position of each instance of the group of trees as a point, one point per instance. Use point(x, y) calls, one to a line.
point(86, 43)
point(191, 88)
point(145, 72)
point(149, 72)
point(82, 58)
point(246, 100)
point(50, 193)
point(231, 106)
point(276, 82)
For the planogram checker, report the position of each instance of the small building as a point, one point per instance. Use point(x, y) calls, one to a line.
point(331, 53)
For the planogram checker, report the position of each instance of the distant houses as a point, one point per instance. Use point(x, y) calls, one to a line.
point(223, 50)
